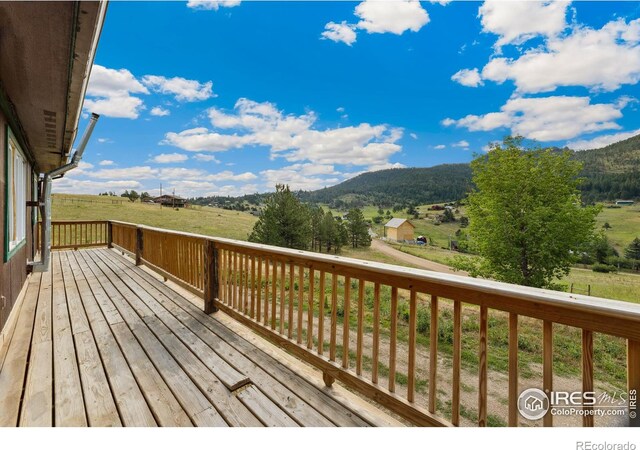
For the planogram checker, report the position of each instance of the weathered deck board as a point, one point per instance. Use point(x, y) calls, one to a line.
point(101, 342)
point(279, 393)
point(15, 363)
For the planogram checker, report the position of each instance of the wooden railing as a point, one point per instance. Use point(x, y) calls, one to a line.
point(376, 327)
point(76, 234)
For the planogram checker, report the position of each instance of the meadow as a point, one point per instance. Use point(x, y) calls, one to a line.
point(198, 219)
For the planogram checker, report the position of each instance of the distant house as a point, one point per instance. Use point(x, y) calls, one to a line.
point(172, 201)
point(624, 202)
point(399, 230)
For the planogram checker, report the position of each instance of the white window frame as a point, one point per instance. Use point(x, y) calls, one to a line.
point(17, 188)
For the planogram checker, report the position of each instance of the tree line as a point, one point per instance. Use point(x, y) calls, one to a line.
point(287, 222)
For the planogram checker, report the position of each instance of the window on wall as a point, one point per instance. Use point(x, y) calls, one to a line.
point(16, 201)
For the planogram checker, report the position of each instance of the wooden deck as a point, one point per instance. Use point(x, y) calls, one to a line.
point(100, 342)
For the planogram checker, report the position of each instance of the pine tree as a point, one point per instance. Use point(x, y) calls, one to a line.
point(284, 221)
point(358, 229)
point(633, 250)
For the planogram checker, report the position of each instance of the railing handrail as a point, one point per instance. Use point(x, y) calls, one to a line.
point(476, 288)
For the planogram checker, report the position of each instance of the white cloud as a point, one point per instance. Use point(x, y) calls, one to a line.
point(136, 173)
point(111, 91)
point(70, 184)
point(518, 21)
point(183, 89)
point(391, 16)
point(104, 140)
point(461, 144)
point(340, 32)
point(547, 118)
point(106, 162)
point(301, 176)
point(124, 107)
point(168, 158)
point(440, 147)
point(601, 141)
point(212, 4)
point(413, 135)
point(106, 82)
point(159, 111)
point(600, 59)
point(467, 77)
point(289, 136)
point(205, 158)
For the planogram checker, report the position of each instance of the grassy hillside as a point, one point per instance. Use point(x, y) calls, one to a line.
point(200, 219)
point(624, 222)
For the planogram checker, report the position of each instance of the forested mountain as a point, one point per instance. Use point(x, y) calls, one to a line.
point(446, 182)
point(610, 173)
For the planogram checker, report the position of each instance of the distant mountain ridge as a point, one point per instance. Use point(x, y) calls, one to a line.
point(611, 172)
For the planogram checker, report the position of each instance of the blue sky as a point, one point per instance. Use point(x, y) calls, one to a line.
point(231, 97)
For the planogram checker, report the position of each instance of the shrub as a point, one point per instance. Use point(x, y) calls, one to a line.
point(604, 268)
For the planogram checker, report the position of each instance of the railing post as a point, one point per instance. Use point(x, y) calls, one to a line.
point(109, 234)
point(633, 380)
point(211, 282)
point(139, 245)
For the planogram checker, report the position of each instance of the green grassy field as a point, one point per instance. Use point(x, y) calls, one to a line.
point(202, 220)
point(625, 225)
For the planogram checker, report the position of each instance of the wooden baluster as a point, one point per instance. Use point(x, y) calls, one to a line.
point(393, 338)
point(282, 295)
point(334, 317)
point(482, 368)
point(433, 354)
point(223, 275)
point(360, 331)
point(587, 374)
point(211, 285)
point(300, 300)
point(247, 277)
point(274, 291)
point(321, 315)
point(456, 363)
point(266, 291)
point(411, 369)
point(259, 288)
point(375, 354)
point(253, 287)
point(513, 370)
point(633, 377)
point(310, 310)
point(235, 280)
point(230, 278)
point(291, 282)
point(547, 366)
point(241, 283)
point(345, 322)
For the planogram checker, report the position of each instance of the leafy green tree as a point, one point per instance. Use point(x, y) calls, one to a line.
point(133, 196)
point(144, 196)
point(526, 218)
point(448, 216)
point(633, 250)
point(380, 211)
point(358, 229)
point(317, 214)
point(284, 221)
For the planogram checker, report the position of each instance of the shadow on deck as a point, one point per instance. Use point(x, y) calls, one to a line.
point(100, 342)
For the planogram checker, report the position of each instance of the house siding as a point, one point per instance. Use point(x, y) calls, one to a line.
point(402, 233)
point(13, 273)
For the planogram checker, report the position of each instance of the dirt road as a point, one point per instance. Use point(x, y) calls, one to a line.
point(410, 259)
